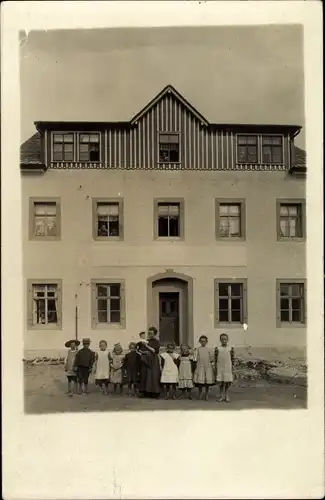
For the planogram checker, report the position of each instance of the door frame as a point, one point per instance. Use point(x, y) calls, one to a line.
point(153, 306)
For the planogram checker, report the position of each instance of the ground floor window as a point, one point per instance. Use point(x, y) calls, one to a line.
point(44, 304)
point(291, 302)
point(230, 302)
point(108, 303)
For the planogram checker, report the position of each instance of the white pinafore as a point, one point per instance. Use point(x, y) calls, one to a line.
point(169, 374)
point(224, 364)
point(102, 368)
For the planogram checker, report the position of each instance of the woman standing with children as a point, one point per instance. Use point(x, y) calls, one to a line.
point(149, 384)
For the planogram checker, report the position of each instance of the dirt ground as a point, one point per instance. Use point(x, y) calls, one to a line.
point(45, 388)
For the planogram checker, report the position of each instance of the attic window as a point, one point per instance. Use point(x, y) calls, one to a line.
point(89, 147)
point(169, 148)
point(63, 147)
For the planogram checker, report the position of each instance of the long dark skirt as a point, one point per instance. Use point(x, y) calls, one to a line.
point(149, 385)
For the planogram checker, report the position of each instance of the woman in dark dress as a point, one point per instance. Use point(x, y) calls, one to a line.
point(150, 367)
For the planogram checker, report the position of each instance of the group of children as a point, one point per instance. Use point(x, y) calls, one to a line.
point(202, 367)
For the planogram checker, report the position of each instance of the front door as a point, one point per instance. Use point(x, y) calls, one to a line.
point(169, 317)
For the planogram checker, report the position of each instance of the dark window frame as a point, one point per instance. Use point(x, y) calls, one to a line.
point(89, 142)
point(169, 144)
point(238, 145)
point(264, 137)
point(63, 142)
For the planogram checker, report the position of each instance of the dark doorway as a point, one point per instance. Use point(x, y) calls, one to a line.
point(169, 317)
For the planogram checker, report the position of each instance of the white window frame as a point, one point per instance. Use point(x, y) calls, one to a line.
point(95, 324)
point(30, 299)
point(45, 200)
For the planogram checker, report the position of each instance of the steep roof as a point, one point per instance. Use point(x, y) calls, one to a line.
point(30, 150)
point(170, 90)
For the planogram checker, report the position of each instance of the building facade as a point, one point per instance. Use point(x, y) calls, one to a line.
point(165, 220)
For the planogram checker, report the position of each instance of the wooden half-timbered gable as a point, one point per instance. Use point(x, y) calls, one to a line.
point(167, 134)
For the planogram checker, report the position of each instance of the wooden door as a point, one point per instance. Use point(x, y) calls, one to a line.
point(169, 317)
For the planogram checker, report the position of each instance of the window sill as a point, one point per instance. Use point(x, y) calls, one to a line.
point(45, 238)
point(44, 327)
point(230, 240)
point(291, 325)
point(232, 326)
point(169, 163)
point(291, 239)
point(108, 238)
point(169, 238)
point(108, 326)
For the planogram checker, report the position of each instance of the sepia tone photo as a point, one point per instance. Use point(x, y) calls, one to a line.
point(163, 177)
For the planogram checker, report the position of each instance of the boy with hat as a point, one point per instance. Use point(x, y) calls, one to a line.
point(84, 362)
point(72, 345)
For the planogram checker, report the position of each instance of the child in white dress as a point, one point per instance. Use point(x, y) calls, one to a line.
point(169, 372)
point(224, 360)
point(186, 366)
point(102, 367)
point(204, 376)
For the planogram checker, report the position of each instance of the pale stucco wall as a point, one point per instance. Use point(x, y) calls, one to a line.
point(78, 259)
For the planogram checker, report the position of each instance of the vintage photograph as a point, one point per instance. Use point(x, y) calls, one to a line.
point(163, 178)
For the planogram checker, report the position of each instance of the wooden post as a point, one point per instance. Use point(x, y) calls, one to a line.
point(76, 322)
point(76, 319)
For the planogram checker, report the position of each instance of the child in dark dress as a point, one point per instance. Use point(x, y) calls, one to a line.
point(83, 365)
point(131, 367)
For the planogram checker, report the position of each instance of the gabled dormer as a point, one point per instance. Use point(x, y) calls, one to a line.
point(168, 133)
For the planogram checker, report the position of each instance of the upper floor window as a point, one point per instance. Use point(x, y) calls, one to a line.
point(247, 149)
point(169, 219)
point(76, 146)
point(108, 214)
point(89, 147)
point(230, 219)
point(258, 148)
point(63, 147)
point(44, 218)
point(272, 150)
point(169, 148)
point(290, 219)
